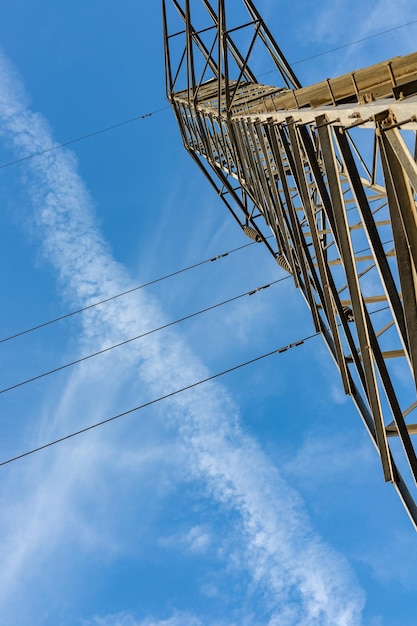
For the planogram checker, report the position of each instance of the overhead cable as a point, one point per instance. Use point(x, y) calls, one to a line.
point(145, 334)
point(88, 136)
point(160, 399)
point(140, 117)
point(149, 332)
point(352, 43)
point(138, 287)
point(281, 350)
point(343, 46)
point(124, 293)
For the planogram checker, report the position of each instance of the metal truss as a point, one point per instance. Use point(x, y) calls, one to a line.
point(330, 170)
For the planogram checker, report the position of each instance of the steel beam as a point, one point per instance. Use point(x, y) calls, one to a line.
point(295, 162)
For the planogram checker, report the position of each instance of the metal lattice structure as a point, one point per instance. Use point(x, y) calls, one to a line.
point(330, 170)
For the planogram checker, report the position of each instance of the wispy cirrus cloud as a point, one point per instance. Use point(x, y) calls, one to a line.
point(342, 23)
point(384, 16)
point(329, 22)
point(195, 541)
point(305, 582)
point(125, 619)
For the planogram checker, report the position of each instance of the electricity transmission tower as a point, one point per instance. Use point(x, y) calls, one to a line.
point(330, 171)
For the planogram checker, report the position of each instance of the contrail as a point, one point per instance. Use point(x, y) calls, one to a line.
point(306, 581)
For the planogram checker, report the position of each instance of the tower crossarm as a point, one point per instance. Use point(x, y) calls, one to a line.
point(330, 171)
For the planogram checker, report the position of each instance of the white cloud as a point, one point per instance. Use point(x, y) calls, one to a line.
point(390, 562)
point(306, 582)
point(125, 619)
point(384, 16)
point(339, 23)
point(196, 541)
point(331, 18)
point(316, 457)
point(210, 590)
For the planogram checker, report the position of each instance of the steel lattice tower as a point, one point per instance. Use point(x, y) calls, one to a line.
point(330, 170)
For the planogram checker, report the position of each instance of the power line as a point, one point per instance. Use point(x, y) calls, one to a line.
point(346, 45)
point(149, 332)
point(150, 114)
point(145, 334)
point(281, 350)
point(137, 288)
point(160, 399)
point(88, 136)
point(352, 43)
point(125, 293)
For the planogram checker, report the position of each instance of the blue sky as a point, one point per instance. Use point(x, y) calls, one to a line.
point(256, 500)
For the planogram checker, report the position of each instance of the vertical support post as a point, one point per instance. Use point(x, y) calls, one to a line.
point(402, 212)
point(346, 252)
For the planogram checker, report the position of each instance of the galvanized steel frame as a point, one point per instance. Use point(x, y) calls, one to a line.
point(344, 219)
